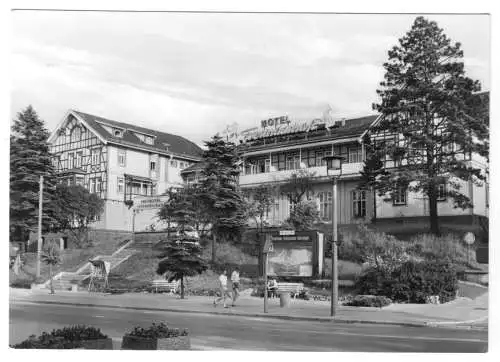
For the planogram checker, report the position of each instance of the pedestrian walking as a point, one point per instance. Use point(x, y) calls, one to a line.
point(235, 280)
point(224, 292)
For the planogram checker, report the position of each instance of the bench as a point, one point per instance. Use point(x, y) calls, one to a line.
point(293, 288)
point(164, 285)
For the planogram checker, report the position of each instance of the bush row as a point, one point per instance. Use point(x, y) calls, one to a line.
point(411, 282)
point(377, 301)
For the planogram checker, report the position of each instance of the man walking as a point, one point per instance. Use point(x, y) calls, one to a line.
point(223, 290)
point(235, 280)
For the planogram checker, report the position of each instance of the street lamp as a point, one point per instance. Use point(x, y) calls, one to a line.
point(334, 169)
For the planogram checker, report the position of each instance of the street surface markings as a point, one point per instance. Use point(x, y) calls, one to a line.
point(277, 322)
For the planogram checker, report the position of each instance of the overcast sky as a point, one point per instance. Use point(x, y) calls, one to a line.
point(193, 74)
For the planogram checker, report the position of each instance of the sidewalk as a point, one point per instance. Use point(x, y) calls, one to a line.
point(461, 311)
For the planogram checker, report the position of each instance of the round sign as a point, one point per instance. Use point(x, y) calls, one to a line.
point(469, 238)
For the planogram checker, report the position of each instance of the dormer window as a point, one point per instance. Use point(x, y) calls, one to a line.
point(117, 132)
point(146, 139)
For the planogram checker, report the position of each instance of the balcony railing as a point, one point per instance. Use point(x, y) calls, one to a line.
point(348, 169)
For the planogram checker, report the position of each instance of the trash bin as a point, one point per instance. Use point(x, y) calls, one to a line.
point(284, 300)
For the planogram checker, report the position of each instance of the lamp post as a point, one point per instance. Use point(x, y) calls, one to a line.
point(334, 169)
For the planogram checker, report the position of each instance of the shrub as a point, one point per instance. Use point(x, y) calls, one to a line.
point(369, 301)
point(157, 331)
point(66, 338)
point(411, 282)
point(358, 246)
point(22, 283)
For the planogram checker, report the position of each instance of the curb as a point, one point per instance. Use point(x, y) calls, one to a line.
point(259, 315)
point(460, 324)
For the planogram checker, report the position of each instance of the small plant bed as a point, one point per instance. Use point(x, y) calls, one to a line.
point(377, 301)
point(74, 337)
point(156, 337)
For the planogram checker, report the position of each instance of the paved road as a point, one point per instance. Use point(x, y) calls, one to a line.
point(249, 333)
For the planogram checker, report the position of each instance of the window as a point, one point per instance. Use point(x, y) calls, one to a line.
point(55, 162)
point(152, 165)
point(448, 148)
point(71, 160)
point(122, 158)
point(149, 140)
point(80, 180)
point(441, 192)
point(319, 159)
point(359, 203)
point(92, 187)
point(117, 132)
point(268, 165)
point(355, 154)
point(325, 205)
point(75, 134)
point(98, 184)
point(181, 165)
point(400, 196)
point(292, 161)
point(173, 163)
point(311, 159)
point(78, 162)
point(281, 162)
point(136, 188)
point(96, 153)
point(144, 189)
point(121, 187)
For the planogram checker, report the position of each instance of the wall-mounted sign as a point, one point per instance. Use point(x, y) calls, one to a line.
point(149, 203)
point(275, 122)
point(287, 232)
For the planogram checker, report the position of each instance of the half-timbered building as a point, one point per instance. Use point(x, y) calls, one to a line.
point(118, 161)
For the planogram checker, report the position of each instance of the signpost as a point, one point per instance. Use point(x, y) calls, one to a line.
point(469, 239)
point(268, 248)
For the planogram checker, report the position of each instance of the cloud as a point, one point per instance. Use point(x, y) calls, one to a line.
point(194, 73)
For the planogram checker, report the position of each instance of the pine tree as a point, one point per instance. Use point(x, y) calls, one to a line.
point(222, 196)
point(427, 106)
point(181, 256)
point(29, 159)
point(166, 213)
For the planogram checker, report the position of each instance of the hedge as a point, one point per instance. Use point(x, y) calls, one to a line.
point(412, 282)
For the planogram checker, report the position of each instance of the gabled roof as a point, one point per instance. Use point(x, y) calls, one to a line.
point(163, 142)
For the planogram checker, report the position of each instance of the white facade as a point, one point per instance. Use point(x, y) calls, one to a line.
point(353, 206)
point(123, 170)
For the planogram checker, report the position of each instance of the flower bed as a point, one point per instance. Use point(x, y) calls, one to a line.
point(369, 301)
point(75, 337)
point(156, 337)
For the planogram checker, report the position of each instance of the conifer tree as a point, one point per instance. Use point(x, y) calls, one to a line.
point(429, 113)
point(373, 170)
point(29, 159)
point(181, 256)
point(223, 199)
